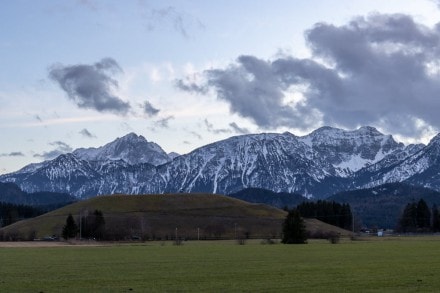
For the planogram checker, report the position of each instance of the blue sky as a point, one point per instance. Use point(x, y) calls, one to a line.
point(183, 74)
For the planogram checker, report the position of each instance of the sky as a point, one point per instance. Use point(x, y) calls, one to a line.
point(80, 73)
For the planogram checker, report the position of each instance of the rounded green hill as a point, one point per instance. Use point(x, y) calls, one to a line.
point(189, 216)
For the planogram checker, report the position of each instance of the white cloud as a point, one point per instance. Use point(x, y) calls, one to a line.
point(155, 75)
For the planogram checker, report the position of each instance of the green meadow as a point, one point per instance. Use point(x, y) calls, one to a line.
point(373, 265)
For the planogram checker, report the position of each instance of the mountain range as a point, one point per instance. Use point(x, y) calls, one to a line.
point(317, 165)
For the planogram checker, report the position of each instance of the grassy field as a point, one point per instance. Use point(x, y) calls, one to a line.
point(377, 265)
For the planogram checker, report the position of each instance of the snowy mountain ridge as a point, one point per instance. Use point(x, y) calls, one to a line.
point(131, 148)
point(319, 164)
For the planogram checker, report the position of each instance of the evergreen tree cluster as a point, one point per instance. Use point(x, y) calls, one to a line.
point(93, 225)
point(417, 217)
point(11, 213)
point(294, 229)
point(90, 226)
point(329, 212)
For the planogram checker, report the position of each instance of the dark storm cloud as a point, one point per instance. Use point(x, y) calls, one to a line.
point(90, 86)
point(380, 70)
point(87, 133)
point(382, 73)
point(254, 91)
point(60, 148)
point(12, 154)
point(149, 109)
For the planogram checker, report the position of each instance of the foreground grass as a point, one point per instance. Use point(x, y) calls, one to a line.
point(396, 265)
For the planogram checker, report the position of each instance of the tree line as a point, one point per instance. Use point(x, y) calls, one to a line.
point(418, 217)
point(329, 212)
point(11, 213)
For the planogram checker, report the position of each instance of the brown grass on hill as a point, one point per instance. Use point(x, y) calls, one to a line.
point(163, 217)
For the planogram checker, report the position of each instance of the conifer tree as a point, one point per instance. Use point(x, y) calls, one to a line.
point(435, 219)
point(294, 230)
point(99, 225)
point(416, 217)
point(408, 220)
point(423, 215)
point(70, 229)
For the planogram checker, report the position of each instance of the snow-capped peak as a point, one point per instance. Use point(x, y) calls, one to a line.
point(351, 150)
point(131, 148)
point(435, 140)
point(320, 163)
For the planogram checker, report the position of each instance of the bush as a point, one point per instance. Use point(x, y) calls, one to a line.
point(334, 237)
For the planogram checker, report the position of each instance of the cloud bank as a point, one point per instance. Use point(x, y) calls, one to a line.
point(90, 86)
point(12, 154)
point(60, 148)
point(379, 70)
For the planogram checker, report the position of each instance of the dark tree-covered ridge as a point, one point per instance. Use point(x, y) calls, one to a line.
point(11, 213)
point(330, 212)
point(416, 217)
